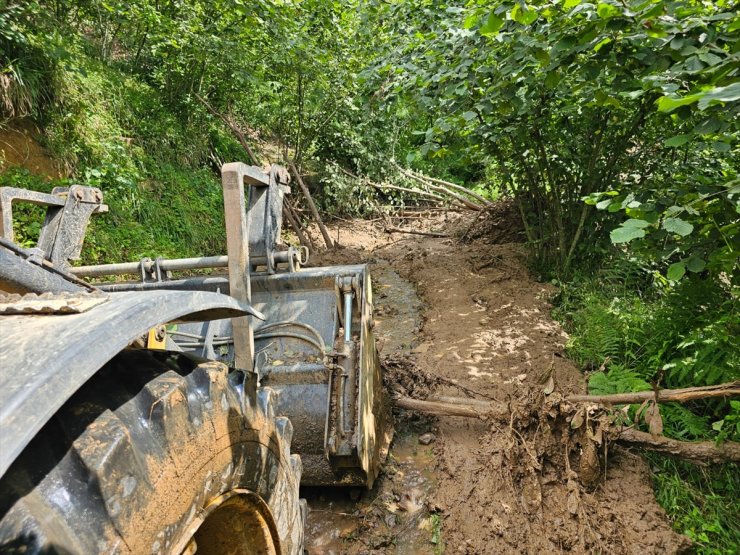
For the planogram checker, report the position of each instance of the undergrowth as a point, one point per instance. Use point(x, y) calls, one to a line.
point(629, 332)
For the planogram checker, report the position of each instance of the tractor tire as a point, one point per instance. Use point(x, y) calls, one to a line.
point(157, 453)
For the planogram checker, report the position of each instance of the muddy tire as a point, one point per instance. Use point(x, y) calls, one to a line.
point(157, 454)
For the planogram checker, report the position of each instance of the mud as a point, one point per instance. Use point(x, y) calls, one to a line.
point(540, 483)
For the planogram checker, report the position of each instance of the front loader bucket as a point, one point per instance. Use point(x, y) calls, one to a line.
point(327, 376)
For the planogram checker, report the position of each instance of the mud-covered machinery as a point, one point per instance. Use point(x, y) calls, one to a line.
point(299, 343)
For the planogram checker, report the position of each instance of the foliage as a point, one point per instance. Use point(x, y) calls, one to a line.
point(703, 503)
point(561, 98)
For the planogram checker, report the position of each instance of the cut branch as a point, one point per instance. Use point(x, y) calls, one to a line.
point(728, 390)
point(295, 225)
point(442, 408)
point(699, 452)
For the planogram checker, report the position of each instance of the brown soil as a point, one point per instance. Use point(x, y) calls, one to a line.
point(20, 147)
point(543, 482)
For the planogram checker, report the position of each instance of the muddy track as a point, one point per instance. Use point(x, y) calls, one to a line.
point(471, 314)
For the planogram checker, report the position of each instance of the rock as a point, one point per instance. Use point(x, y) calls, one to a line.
point(427, 438)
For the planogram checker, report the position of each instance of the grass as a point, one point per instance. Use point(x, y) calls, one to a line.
point(702, 503)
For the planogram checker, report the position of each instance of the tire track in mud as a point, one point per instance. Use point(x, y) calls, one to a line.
point(496, 488)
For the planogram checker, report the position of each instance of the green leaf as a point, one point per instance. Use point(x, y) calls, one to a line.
point(678, 140)
point(570, 3)
point(670, 103)
point(606, 11)
point(602, 204)
point(720, 146)
point(468, 116)
point(523, 15)
point(676, 271)
point(678, 226)
point(730, 93)
point(634, 222)
point(696, 264)
point(626, 234)
point(492, 25)
point(552, 79)
point(470, 21)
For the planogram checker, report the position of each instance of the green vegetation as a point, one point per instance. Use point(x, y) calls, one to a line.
point(613, 124)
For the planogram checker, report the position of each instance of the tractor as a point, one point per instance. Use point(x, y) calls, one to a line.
point(172, 409)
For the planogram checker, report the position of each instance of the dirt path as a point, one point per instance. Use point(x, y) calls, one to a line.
point(472, 314)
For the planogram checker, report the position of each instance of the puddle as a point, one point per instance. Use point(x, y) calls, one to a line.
point(393, 516)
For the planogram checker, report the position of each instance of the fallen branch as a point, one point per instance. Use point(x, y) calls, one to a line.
point(390, 229)
point(441, 408)
point(447, 184)
point(311, 205)
point(439, 189)
point(699, 452)
point(385, 186)
point(727, 390)
point(407, 190)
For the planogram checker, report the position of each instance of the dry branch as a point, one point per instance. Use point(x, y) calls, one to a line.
point(311, 205)
point(663, 395)
point(439, 189)
point(446, 184)
point(390, 229)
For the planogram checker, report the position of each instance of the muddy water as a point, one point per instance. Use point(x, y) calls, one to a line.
point(393, 516)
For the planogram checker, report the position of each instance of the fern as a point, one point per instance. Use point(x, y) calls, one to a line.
point(616, 380)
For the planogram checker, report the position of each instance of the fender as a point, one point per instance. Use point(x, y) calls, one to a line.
point(45, 358)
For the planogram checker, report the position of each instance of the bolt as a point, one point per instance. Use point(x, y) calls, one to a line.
point(78, 194)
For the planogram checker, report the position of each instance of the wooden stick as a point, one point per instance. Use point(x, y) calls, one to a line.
point(390, 229)
point(728, 390)
point(311, 205)
point(699, 452)
point(449, 409)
